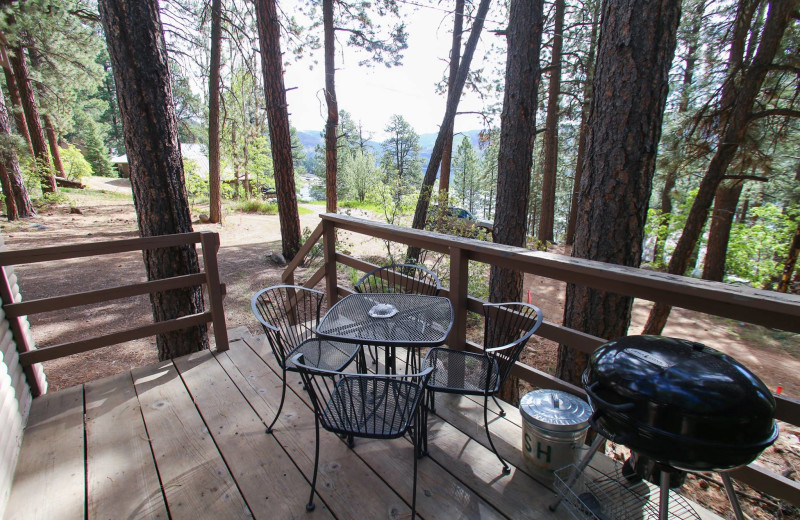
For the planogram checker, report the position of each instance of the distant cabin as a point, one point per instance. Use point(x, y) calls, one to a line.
point(189, 151)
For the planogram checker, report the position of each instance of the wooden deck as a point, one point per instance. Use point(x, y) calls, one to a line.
point(186, 439)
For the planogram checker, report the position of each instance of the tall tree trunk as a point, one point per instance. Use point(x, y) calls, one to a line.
point(515, 155)
point(744, 94)
point(52, 141)
point(587, 100)
point(49, 127)
point(269, 38)
point(16, 102)
point(719, 232)
point(138, 55)
point(214, 173)
point(671, 178)
point(17, 58)
point(332, 124)
point(637, 43)
point(791, 257)
point(453, 97)
point(8, 162)
point(547, 218)
point(13, 185)
point(455, 58)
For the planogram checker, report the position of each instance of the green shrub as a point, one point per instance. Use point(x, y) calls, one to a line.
point(75, 165)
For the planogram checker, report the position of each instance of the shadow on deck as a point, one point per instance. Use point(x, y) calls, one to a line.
point(186, 439)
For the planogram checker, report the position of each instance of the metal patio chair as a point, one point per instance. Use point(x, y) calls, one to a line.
point(398, 278)
point(369, 406)
point(508, 327)
point(289, 315)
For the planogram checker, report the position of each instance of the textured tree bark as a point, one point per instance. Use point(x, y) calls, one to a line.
point(214, 176)
point(52, 141)
point(588, 92)
point(455, 58)
point(20, 67)
point(332, 124)
point(278, 119)
point(719, 232)
point(138, 55)
point(735, 123)
point(637, 42)
point(16, 102)
point(515, 155)
point(547, 216)
point(453, 97)
point(18, 202)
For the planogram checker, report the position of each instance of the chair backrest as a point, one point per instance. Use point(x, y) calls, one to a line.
point(400, 278)
point(289, 315)
point(508, 327)
point(363, 405)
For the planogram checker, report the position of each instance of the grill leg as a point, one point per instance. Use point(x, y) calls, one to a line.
point(737, 510)
point(663, 501)
point(596, 443)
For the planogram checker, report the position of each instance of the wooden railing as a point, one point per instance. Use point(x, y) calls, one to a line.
point(745, 304)
point(208, 277)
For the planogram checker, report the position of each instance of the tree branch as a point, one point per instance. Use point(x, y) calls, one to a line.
point(788, 112)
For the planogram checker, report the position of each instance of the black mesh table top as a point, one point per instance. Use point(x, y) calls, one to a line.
point(413, 320)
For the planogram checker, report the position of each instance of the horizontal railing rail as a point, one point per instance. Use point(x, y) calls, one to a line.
point(766, 308)
point(209, 277)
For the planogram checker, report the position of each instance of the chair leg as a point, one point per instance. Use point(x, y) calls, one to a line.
point(280, 406)
point(502, 412)
point(506, 469)
point(310, 506)
point(416, 437)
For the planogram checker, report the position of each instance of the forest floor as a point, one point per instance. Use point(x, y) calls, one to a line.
point(105, 212)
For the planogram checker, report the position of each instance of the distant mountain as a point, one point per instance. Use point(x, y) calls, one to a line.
point(311, 140)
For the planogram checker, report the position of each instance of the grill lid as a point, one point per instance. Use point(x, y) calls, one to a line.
point(555, 410)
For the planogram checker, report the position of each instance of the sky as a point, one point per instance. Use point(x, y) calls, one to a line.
point(373, 94)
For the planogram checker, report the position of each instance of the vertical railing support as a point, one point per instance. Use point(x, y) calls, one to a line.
point(329, 249)
point(210, 243)
point(35, 383)
point(459, 273)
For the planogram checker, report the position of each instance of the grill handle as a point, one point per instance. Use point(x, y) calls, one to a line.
point(624, 407)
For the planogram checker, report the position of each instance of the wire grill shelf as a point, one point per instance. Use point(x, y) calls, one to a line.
point(611, 497)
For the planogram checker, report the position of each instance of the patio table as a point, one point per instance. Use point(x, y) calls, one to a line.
point(389, 320)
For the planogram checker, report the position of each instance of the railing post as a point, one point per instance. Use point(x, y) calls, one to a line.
point(329, 248)
point(35, 383)
point(210, 243)
point(459, 272)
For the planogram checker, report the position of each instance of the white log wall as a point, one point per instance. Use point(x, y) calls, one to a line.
point(15, 395)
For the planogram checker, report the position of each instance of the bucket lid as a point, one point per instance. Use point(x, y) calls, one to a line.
point(555, 410)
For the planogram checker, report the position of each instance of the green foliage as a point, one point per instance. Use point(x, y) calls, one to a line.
point(357, 175)
point(257, 206)
point(401, 160)
point(88, 131)
point(75, 166)
point(466, 176)
point(196, 185)
point(756, 250)
point(316, 253)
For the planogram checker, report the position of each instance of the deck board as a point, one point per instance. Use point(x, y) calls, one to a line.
point(186, 439)
point(265, 475)
point(195, 479)
point(121, 475)
point(51, 462)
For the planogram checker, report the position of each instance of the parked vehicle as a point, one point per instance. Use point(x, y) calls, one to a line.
point(459, 221)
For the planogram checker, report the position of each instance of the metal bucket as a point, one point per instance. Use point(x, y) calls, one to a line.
point(553, 429)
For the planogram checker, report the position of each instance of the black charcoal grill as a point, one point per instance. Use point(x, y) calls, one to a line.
point(679, 406)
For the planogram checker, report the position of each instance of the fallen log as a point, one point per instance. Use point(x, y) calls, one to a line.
point(63, 182)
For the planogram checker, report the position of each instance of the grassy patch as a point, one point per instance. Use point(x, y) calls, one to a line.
point(777, 340)
point(106, 194)
point(264, 208)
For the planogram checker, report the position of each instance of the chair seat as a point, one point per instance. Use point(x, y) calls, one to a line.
point(370, 407)
point(320, 353)
point(461, 372)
